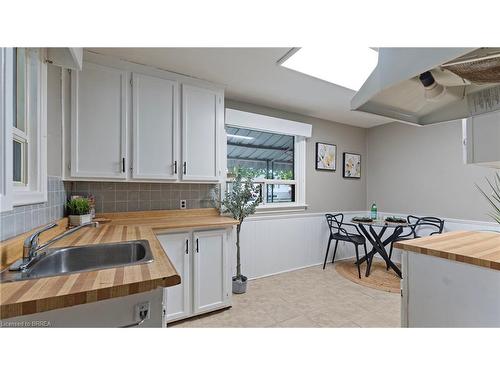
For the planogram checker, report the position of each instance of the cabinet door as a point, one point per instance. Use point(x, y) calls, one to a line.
point(177, 247)
point(155, 124)
point(485, 131)
point(210, 281)
point(200, 108)
point(98, 122)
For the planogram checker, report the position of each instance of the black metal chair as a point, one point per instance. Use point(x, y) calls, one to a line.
point(339, 233)
point(416, 223)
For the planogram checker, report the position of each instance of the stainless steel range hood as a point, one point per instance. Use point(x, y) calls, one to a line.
point(424, 86)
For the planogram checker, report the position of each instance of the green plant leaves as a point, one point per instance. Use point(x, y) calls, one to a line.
point(494, 197)
point(240, 201)
point(78, 206)
point(243, 198)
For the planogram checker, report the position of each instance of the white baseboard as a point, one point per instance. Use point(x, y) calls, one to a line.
point(299, 268)
point(284, 271)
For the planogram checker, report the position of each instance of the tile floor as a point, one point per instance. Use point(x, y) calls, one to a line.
point(309, 297)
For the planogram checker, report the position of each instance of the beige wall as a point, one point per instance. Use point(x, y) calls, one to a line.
point(326, 191)
point(405, 169)
point(419, 170)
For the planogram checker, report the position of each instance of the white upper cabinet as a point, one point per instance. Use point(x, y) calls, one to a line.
point(210, 271)
point(482, 139)
point(155, 127)
point(98, 122)
point(175, 132)
point(201, 118)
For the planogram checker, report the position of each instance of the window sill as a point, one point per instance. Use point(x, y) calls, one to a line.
point(280, 208)
point(28, 197)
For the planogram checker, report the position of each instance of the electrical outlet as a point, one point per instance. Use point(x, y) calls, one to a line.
point(183, 204)
point(142, 311)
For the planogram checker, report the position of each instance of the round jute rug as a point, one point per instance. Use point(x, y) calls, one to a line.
point(379, 278)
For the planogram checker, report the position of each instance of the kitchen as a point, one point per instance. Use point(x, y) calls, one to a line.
point(133, 151)
point(185, 188)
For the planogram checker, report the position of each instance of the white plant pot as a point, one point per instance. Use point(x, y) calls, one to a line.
point(76, 220)
point(240, 285)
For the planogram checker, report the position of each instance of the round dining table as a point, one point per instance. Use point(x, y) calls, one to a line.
point(375, 237)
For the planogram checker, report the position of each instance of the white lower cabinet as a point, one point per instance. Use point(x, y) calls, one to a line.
point(201, 259)
point(210, 271)
point(177, 247)
point(108, 313)
point(443, 293)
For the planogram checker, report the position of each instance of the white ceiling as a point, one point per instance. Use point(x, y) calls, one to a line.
point(252, 75)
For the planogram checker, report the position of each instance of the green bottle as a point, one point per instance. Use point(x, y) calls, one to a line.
point(374, 211)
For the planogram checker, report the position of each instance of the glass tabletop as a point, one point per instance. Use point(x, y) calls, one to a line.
point(380, 222)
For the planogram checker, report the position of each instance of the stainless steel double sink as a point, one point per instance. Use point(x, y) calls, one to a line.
point(65, 260)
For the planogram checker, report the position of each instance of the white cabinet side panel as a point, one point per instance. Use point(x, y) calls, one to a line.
point(445, 293)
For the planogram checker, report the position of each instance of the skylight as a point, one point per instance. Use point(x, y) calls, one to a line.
point(347, 67)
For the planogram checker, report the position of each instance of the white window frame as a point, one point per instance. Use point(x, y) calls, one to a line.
point(6, 119)
point(300, 132)
point(35, 191)
point(18, 135)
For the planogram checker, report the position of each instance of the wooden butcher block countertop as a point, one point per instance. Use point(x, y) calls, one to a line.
point(478, 248)
point(38, 295)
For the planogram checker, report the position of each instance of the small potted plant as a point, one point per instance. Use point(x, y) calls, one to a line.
point(240, 201)
point(79, 211)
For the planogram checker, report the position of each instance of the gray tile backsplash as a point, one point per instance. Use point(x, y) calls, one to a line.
point(24, 218)
point(135, 196)
point(110, 197)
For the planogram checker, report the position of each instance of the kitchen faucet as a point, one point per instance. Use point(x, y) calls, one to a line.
point(31, 243)
point(31, 247)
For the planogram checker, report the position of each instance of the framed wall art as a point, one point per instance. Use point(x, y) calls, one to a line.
point(326, 157)
point(351, 165)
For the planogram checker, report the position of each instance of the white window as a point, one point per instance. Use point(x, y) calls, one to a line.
point(24, 128)
point(274, 149)
point(19, 125)
point(5, 131)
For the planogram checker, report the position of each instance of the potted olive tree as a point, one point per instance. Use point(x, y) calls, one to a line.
point(494, 197)
point(240, 200)
point(79, 211)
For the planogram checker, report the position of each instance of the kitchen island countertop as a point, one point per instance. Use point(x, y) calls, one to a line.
point(477, 248)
